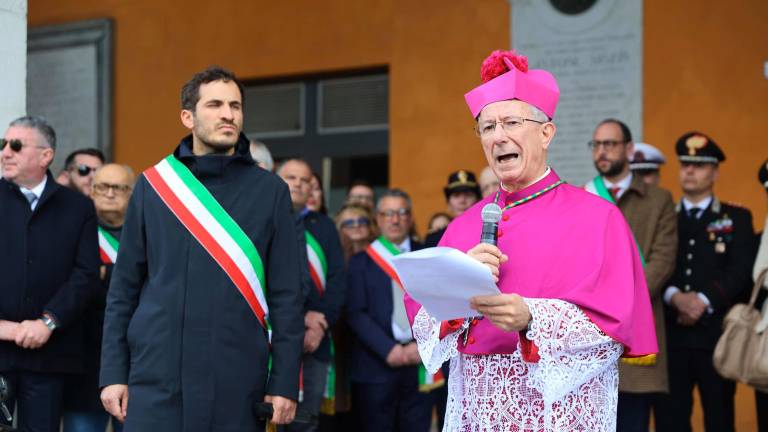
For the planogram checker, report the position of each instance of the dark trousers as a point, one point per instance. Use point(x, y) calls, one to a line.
point(37, 397)
point(761, 400)
point(689, 368)
point(314, 375)
point(393, 406)
point(634, 411)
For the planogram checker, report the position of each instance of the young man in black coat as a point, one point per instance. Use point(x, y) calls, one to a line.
point(324, 294)
point(49, 262)
point(186, 345)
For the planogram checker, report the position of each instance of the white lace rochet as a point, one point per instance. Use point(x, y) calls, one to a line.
point(573, 386)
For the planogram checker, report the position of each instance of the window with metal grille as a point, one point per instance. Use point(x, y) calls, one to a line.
point(353, 104)
point(274, 110)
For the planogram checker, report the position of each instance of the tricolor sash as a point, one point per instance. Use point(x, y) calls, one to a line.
point(108, 246)
point(381, 252)
point(597, 186)
point(210, 224)
point(318, 265)
point(318, 270)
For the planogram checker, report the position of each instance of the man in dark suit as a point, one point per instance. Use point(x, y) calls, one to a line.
point(324, 295)
point(714, 263)
point(385, 358)
point(49, 262)
point(200, 306)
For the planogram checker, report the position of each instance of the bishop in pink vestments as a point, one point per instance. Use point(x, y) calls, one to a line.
point(544, 355)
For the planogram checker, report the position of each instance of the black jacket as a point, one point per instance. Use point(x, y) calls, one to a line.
point(49, 262)
point(713, 261)
point(81, 391)
point(330, 303)
point(177, 330)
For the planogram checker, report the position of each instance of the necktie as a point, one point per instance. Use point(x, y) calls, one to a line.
point(31, 198)
point(694, 212)
point(615, 192)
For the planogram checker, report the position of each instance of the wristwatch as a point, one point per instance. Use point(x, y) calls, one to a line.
point(49, 322)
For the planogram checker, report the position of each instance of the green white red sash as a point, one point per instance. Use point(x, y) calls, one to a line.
point(108, 246)
point(381, 252)
point(214, 229)
point(318, 265)
point(318, 271)
point(597, 187)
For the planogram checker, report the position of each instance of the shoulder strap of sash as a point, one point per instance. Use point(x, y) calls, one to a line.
point(108, 246)
point(597, 187)
point(318, 264)
point(210, 224)
point(381, 252)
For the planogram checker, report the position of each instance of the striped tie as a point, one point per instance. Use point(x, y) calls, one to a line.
point(31, 198)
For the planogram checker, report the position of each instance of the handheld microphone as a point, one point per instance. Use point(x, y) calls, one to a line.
point(491, 215)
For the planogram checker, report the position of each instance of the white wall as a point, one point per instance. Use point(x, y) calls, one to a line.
point(13, 60)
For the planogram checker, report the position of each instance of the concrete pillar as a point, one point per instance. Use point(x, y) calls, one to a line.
point(13, 57)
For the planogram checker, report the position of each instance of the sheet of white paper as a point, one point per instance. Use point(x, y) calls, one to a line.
point(443, 280)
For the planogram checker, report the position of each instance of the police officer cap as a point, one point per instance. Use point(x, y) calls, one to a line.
point(462, 180)
point(646, 157)
point(762, 175)
point(698, 148)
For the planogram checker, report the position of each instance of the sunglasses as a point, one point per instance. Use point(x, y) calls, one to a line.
point(352, 223)
point(15, 144)
point(83, 170)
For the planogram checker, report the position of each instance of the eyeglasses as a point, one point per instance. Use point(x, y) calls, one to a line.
point(117, 189)
point(606, 144)
point(401, 212)
point(509, 124)
point(354, 223)
point(15, 144)
point(83, 170)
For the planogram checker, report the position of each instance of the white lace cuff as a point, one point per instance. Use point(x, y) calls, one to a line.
point(434, 351)
point(572, 349)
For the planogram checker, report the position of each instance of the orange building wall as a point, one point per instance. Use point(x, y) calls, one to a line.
point(703, 69)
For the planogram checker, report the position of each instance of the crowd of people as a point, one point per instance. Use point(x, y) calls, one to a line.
point(118, 303)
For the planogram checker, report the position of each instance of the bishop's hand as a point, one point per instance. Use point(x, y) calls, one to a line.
point(508, 312)
point(489, 255)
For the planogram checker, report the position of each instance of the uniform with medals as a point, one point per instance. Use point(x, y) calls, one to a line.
point(715, 252)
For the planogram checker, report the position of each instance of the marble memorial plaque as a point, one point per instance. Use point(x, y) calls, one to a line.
point(594, 49)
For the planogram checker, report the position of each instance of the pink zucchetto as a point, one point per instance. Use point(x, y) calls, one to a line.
point(506, 76)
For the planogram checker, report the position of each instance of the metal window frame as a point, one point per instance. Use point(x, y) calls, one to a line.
point(347, 129)
point(96, 32)
point(302, 112)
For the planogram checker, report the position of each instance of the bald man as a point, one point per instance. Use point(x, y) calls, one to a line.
point(110, 190)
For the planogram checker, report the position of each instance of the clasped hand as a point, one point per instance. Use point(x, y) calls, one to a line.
point(690, 307)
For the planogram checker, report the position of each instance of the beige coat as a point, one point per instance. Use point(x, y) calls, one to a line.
point(650, 212)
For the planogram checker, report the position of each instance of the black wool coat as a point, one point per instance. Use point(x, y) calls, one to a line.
point(49, 262)
point(177, 330)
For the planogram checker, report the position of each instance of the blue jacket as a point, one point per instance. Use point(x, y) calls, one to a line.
point(369, 308)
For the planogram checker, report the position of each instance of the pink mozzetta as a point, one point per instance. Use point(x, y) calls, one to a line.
point(537, 87)
point(568, 245)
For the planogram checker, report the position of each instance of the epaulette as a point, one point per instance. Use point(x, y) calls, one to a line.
point(737, 205)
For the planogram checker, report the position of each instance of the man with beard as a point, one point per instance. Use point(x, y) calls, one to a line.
point(206, 286)
point(650, 213)
point(79, 168)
